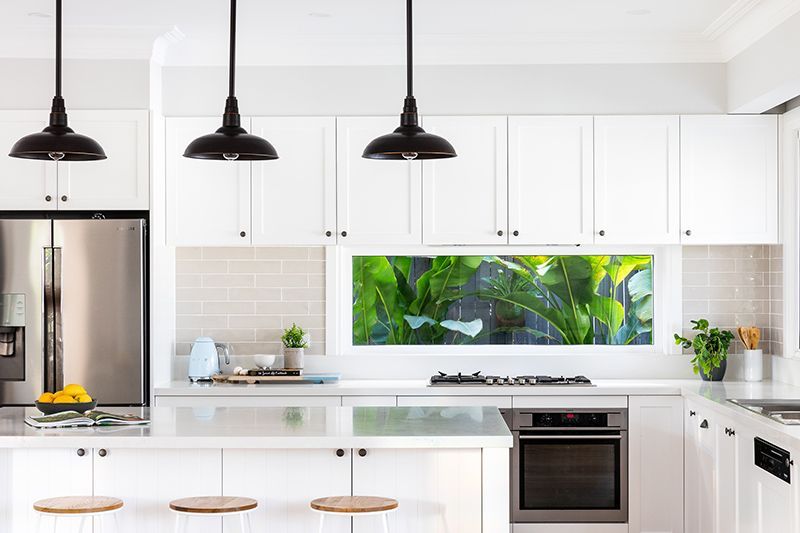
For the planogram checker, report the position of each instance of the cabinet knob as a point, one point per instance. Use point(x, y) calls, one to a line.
point(499, 233)
point(81, 452)
point(242, 234)
point(602, 233)
point(688, 232)
point(704, 424)
point(340, 453)
point(102, 452)
point(48, 198)
point(515, 233)
point(732, 432)
point(328, 233)
point(692, 413)
point(64, 198)
point(362, 452)
point(344, 234)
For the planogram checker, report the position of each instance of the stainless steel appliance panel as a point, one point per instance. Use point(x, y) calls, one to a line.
point(23, 244)
point(99, 299)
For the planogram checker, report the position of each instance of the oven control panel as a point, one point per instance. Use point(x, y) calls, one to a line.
point(773, 459)
point(531, 419)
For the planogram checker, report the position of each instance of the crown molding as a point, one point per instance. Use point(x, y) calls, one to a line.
point(746, 22)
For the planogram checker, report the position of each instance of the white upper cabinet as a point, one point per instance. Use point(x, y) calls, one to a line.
point(550, 180)
point(729, 179)
point(378, 202)
point(24, 184)
point(119, 182)
point(208, 202)
point(636, 180)
point(465, 199)
point(294, 196)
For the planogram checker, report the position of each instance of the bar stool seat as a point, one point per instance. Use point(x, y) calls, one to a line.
point(354, 506)
point(84, 508)
point(198, 506)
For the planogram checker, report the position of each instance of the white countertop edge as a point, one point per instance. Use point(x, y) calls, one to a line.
point(355, 387)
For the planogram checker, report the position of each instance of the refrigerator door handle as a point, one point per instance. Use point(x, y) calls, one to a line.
point(57, 324)
point(49, 320)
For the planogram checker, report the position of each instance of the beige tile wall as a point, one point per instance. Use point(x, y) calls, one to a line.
point(246, 296)
point(732, 286)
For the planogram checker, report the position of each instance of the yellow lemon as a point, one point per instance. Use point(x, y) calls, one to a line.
point(64, 399)
point(83, 398)
point(74, 389)
point(46, 397)
point(58, 393)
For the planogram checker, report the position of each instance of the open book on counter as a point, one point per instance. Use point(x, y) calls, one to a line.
point(90, 418)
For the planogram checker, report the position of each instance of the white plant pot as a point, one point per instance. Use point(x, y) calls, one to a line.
point(293, 357)
point(753, 365)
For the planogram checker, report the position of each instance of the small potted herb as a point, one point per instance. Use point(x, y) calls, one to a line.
point(710, 350)
point(294, 340)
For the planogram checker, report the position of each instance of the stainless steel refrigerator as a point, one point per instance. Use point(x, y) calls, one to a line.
point(73, 308)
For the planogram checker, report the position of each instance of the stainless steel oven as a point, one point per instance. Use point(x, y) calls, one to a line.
point(569, 465)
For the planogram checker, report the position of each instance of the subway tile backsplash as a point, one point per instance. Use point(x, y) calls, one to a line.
point(735, 286)
point(246, 296)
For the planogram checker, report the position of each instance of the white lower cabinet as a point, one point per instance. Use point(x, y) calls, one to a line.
point(284, 482)
point(369, 401)
point(439, 490)
point(698, 472)
point(148, 479)
point(655, 454)
point(501, 402)
point(34, 474)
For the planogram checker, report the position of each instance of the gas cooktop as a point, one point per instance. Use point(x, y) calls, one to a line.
point(479, 379)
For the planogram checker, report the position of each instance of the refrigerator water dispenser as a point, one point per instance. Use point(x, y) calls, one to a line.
point(12, 337)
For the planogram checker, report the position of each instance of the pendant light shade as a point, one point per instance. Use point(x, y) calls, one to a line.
point(58, 142)
point(409, 141)
point(231, 142)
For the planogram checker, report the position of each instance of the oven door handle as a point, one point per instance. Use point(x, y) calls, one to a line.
point(570, 437)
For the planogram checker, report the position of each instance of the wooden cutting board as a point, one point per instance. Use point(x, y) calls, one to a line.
point(305, 379)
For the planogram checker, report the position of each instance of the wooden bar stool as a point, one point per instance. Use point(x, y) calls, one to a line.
point(355, 506)
point(212, 506)
point(74, 507)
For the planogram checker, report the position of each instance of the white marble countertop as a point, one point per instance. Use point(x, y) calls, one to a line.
point(274, 427)
point(420, 387)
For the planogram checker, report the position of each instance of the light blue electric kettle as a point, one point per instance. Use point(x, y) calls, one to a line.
point(204, 358)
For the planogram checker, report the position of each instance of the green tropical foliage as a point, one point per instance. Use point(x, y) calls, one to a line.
point(579, 297)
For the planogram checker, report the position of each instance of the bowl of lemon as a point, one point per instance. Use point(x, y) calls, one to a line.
point(73, 397)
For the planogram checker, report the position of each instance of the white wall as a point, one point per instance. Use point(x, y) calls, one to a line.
point(495, 89)
point(767, 73)
point(87, 84)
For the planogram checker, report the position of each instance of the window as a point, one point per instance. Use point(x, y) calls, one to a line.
point(502, 300)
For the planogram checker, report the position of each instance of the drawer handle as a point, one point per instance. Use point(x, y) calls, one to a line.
point(362, 452)
point(692, 413)
point(704, 424)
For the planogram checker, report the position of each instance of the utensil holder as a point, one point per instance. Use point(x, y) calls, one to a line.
point(753, 365)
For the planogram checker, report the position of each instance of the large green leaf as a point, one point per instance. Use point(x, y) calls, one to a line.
point(469, 329)
point(641, 284)
point(608, 311)
point(375, 300)
point(570, 278)
point(622, 266)
point(417, 322)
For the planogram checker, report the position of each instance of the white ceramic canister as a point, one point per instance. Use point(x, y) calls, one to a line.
point(753, 365)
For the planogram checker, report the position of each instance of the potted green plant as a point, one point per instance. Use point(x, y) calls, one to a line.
point(294, 340)
point(710, 347)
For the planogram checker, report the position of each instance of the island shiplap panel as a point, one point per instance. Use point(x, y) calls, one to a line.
point(247, 296)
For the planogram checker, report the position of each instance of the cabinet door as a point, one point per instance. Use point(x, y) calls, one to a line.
point(766, 503)
point(550, 180)
point(698, 471)
point(655, 455)
point(465, 199)
point(726, 476)
point(439, 490)
point(43, 473)
point(284, 482)
point(294, 196)
point(120, 182)
point(729, 179)
point(208, 202)
point(25, 184)
point(378, 202)
point(148, 479)
point(636, 196)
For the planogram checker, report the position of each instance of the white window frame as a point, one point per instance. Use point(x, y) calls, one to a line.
point(790, 230)
point(667, 289)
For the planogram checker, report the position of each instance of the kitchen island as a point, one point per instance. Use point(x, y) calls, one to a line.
point(447, 466)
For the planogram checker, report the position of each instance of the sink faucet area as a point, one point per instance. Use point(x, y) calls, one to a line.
point(783, 411)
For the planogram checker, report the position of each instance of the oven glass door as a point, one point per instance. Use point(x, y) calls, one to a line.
point(571, 476)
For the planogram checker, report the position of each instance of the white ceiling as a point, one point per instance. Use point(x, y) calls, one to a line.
point(357, 32)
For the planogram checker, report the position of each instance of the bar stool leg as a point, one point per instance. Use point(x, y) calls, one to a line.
point(321, 522)
point(177, 523)
point(55, 524)
point(249, 524)
point(116, 523)
point(38, 522)
point(385, 523)
point(242, 524)
point(82, 524)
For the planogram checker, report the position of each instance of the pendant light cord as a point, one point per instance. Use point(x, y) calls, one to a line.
point(409, 51)
point(232, 58)
point(58, 48)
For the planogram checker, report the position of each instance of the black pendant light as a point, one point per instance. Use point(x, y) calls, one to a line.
point(58, 142)
point(231, 142)
point(409, 141)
